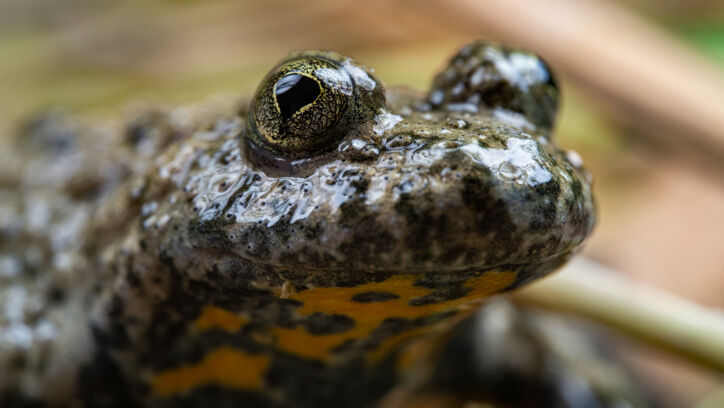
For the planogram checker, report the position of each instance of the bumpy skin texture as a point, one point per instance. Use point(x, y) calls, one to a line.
point(204, 258)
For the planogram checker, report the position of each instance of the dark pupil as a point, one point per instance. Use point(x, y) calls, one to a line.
point(294, 92)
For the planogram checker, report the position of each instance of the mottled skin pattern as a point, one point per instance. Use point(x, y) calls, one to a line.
point(233, 258)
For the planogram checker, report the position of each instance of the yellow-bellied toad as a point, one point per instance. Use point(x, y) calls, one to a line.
point(286, 254)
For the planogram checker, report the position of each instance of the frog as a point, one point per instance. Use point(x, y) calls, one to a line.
point(317, 244)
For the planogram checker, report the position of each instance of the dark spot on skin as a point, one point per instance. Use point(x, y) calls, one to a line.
point(492, 216)
point(213, 274)
point(440, 295)
point(545, 195)
point(133, 280)
point(102, 381)
point(320, 323)
point(18, 362)
point(346, 346)
point(117, 336)
point(50, 132)
point(423, 226)
point(372, 297)
point(437, 280)
point(217, 396)
point(56, 294)
point(342, 278)
point(353, 384)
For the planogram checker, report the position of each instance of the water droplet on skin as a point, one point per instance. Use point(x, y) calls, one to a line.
point(149, 208)
point(574, 158)
point(334, 78)
point(149, 221)
point(518, 162)
point(528, 148)
point(474, 99)
point(399, 141)
point(162, 221)
point(509, 170)
point(462, 107)
point(477, 77)
point(437, 96)
point(458, 89)
point(385, 121)
point(458, 124)
point(360, 77)
point(515, 119)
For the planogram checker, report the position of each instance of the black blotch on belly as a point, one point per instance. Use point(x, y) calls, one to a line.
point(321, 323)
point(217, 396)
point(371, 297)
point(441, 295)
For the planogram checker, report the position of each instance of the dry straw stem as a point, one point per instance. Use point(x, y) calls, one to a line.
point(595, 292)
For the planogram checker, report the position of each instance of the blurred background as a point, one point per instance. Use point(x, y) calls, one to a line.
point(642, 81)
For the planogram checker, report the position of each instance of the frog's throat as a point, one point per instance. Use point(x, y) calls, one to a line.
point(389, 321)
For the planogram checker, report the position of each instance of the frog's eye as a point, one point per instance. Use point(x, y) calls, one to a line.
point(494, 76)
point(310, 101)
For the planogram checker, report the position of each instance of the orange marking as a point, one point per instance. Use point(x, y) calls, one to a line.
point(224, 366)
point(212, 316)
point(315, 347)
point(369, 316)
point(237, 369)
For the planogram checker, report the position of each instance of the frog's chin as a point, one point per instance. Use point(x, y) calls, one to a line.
point(514, 274)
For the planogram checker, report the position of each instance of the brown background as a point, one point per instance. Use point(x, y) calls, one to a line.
point(660, 186)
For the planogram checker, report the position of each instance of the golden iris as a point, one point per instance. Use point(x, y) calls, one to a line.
point(309, 101)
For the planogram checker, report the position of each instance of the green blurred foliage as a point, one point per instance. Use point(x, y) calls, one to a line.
point(707, 36)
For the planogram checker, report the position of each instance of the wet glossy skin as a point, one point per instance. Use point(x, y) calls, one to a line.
point(308, 239)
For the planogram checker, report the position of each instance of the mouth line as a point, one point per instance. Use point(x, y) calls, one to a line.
point(214, 253)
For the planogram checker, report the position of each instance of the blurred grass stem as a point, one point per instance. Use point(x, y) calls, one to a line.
point(590, 290)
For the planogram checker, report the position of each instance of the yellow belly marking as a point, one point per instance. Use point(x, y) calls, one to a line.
point(233, 368)
point(368, 316)
point(212, 316)
point(224, 366)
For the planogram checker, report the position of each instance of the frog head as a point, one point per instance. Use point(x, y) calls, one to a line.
point(328, 175)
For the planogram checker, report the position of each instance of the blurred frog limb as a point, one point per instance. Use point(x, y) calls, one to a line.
point(511, 355)
point(524, 342)
point(595, 292)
